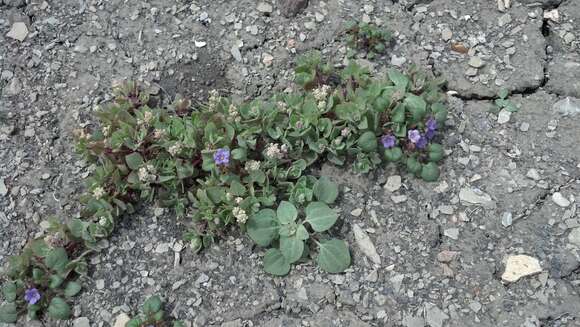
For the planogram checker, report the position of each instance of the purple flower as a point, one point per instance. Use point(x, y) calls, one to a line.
point(414, 135)
point(388, 141)
point(431, 128)
point(422, 143)
point(221, 157)
point(32, 296)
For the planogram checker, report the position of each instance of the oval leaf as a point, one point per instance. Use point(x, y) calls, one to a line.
point(152, 305)
point(325, 190)
point(134, 160)
point(59, 309)
point(291, 248)
point(262, 227)
point(8, 313)
point(72, 289)
point(9, 290)
point(275, 263)
point(333, 256)
point(286, 212)
point(320, 216)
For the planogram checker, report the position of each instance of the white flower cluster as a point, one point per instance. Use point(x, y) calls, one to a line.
point(159, 133)
point(98, 192)
point(234, 114)
point(174, 149)
point(252, 165)
point(240, 214)
point(321, 93)
point(214, 100)
point(147, 173)
point(147, 117)
point(344, 132)
point(283, 107)
point(275, 151)
point(106, 131)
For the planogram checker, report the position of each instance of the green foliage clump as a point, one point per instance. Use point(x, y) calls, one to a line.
point(502, 102)
point(236, 165)
point(367, 37)
point(152, 315)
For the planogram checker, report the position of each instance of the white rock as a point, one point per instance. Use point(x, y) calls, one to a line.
point(81, 322)
point(19, 31)
point(518, 266)
point(398, 61)
point(507, 219)
point(3, 189)
point(434, 316)
point(267, 59)
point(121, 320)
point(265, 7)
point(560, 200)
point(452, 233)
point(475, 196)
point(574, 236)
point(200, 44)
point(503, 116)
point(356, 212)
point(446, 34)
point(393, 183)
point(162, 248)
point(533, 174)
point(365, 244)
point(475, 62)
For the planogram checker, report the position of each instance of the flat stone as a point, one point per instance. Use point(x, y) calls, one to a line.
point(3, 188)
point(503, 116)
point(452, 233)
point(475, 196)
point(533, 174)
point(81, 322)
point(524, 127)
point(475, 62)
point(235, 51)
point(267, 59)
point(519, 266)
point(504, 20)
point(393, 183)
point(18, 31)
point(506, 219)
point(356, 212)
point(365, 244)
point(121, 320)
point(560, 200)
point(264, 7)
point(574, 236)
point(434, 316)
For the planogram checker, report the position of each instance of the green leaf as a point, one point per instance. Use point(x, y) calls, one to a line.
point(57, 259)
point(291, 248)
point(503, 93)
point(40, 248)
point(136, 322)
point(417, 106)
point(262, 227)
point(320, 216)
point(430, 172)
point(400, 80)
point(237, 189)
point(393, 154)
point(59, 309)
point(158, 316)
point(134, 160)
point(275, 263)
point(152, 305)
point(72, 289)
point(441, 116)
point(55, 281)
point(368, 142)
point(286, 212)
point(239, 154)
point(435, 152)
point(8, 313)
point(333, 256)
point(398, 114)
point(325, 190)
point(413, 166)
point(302, 233)
point(9, 290)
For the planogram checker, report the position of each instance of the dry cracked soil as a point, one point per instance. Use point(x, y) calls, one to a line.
point(439, 252)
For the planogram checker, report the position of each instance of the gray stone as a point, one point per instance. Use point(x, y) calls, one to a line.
point(503, 116)
point(564, 71)
point(446, 34)
point(19, 31)
point(393, 183)
point(475, 62)
point(475, 196)
point(3, 188)
point(452, 233)
point(265, 7)
point(560, 200)
point(234, 323)
point(574, 236)
point(81, 322)
point(434, 316)
point(365, 244)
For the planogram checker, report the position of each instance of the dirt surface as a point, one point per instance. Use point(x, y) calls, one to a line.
point(507, 187)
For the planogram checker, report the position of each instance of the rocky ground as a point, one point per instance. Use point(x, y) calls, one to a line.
point(440, 254)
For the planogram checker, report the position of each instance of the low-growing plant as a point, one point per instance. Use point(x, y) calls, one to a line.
point(504, 103)
point(236, 165)
point(152, 315)
point(368, 37)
